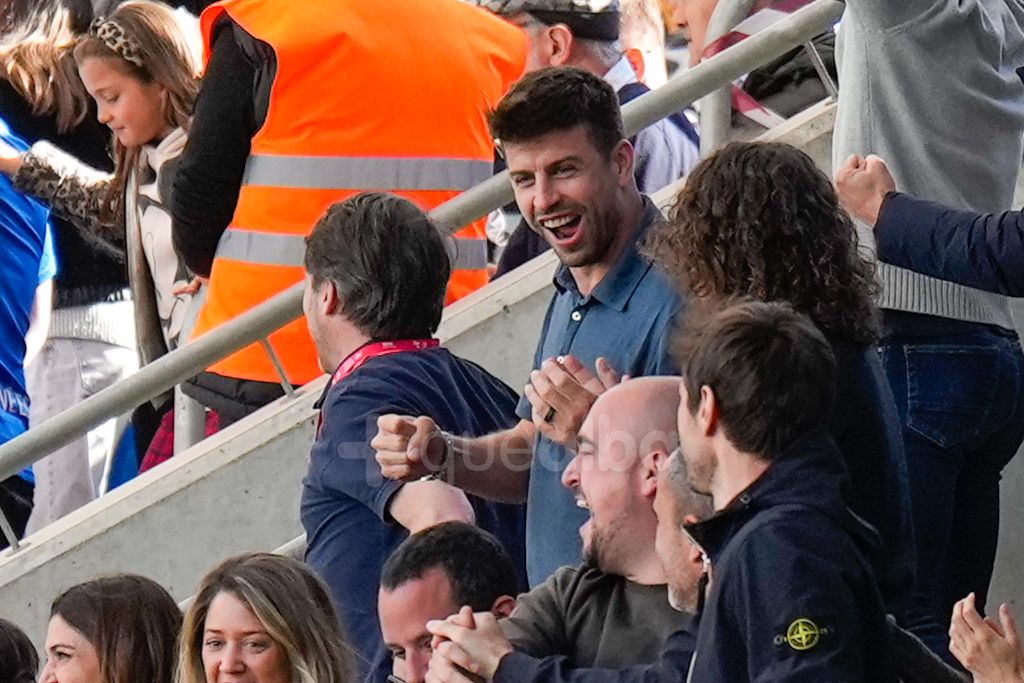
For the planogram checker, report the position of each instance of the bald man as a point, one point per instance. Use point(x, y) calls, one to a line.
point(613, 610)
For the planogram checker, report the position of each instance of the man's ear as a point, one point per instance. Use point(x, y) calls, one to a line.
point(326, 298)
point(503, 606)
point(624, 156)
point(650, 465)
point(559, 46)
point(707, 411)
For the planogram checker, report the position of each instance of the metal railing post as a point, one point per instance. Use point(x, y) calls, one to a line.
point(8, 531)
point(289, 390)
point(715, 109)
point(819, 67)
point(189, 421)
point(187, 361)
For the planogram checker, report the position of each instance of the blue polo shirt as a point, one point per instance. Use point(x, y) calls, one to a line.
point(628, 319)
point(345, 497)
point(26, 261)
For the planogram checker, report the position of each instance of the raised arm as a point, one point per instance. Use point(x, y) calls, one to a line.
point(984, 251)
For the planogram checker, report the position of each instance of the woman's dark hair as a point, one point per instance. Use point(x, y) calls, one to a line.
point(18, 659)
point(131, 621)
point(388, 262)
point(759, 220)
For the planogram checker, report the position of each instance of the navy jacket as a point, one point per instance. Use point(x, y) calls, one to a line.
point(793, 596)
point(980, 250)
point(869, 434)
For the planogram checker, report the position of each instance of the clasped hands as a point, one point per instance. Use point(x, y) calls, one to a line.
point(467, 648)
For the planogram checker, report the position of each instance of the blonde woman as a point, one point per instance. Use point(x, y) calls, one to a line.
point(140, 70)
point(264, 619)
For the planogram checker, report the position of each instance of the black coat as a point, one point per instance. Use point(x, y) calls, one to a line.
point(793, 595)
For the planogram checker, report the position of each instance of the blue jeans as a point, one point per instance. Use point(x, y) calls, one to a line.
point(961, 404)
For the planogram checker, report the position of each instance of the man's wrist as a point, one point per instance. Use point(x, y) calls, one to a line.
point(494, 664)
point(439, 470)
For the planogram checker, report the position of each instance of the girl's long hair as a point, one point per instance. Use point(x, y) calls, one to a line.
point(167, 59)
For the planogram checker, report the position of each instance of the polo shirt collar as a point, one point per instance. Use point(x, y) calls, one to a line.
point(618, 285)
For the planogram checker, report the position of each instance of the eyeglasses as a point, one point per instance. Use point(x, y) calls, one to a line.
point(394, 679)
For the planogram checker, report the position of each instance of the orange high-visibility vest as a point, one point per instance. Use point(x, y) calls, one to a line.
point(368, 95)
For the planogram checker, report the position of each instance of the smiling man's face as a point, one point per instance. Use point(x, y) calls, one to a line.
point(569, 193)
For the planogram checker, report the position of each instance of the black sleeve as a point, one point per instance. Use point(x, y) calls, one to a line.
point(984, 251)
point(210, 175)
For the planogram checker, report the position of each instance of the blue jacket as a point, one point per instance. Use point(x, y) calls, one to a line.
point(980, 250)
point(793, 595)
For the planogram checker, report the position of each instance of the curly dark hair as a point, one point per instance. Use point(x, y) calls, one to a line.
point(759, 220)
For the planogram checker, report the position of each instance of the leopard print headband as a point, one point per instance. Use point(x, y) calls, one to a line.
point(114, 37)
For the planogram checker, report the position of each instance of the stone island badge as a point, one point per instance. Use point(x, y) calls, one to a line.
point(802, 635)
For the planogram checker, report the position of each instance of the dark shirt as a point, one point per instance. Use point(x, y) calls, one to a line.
point(869, 434)
point(627, 319)
point(230, 108)
point(592, 619)
point(345, 498)
point(980, 250)
point(90, 270)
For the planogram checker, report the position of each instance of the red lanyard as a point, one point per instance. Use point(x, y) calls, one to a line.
point(387, 348)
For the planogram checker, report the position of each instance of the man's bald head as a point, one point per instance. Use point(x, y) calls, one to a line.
point(628, 434)
point(644, 408)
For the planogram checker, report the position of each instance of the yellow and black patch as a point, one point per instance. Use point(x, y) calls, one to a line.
point(802, 635)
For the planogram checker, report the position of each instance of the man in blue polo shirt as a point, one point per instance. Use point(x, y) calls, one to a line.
point(378, 270)
point(572, 171)
point(28, 267)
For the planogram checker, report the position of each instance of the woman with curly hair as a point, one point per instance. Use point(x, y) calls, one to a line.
point(760, 221)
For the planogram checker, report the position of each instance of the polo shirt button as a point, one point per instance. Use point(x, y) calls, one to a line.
point(577, 316)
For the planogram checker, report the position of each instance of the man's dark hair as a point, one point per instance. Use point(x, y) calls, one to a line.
point(476, 565)
point(388, 262)
point(771, 370)
point(760, 220)
point(557, 99)
point(18, 659)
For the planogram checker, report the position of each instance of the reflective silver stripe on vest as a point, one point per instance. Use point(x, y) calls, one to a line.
point(263, 248)
point(365, 173)
point(270, 249)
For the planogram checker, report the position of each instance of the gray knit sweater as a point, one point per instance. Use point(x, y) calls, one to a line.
point(931, 86)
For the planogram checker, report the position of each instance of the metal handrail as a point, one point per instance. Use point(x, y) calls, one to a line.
point(185, 362)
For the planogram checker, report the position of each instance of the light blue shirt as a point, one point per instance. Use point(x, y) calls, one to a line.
point(628, 320)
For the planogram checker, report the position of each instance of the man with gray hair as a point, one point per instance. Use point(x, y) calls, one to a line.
point(585, 34)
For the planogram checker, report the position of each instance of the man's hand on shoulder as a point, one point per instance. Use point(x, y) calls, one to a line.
point(862, 184)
